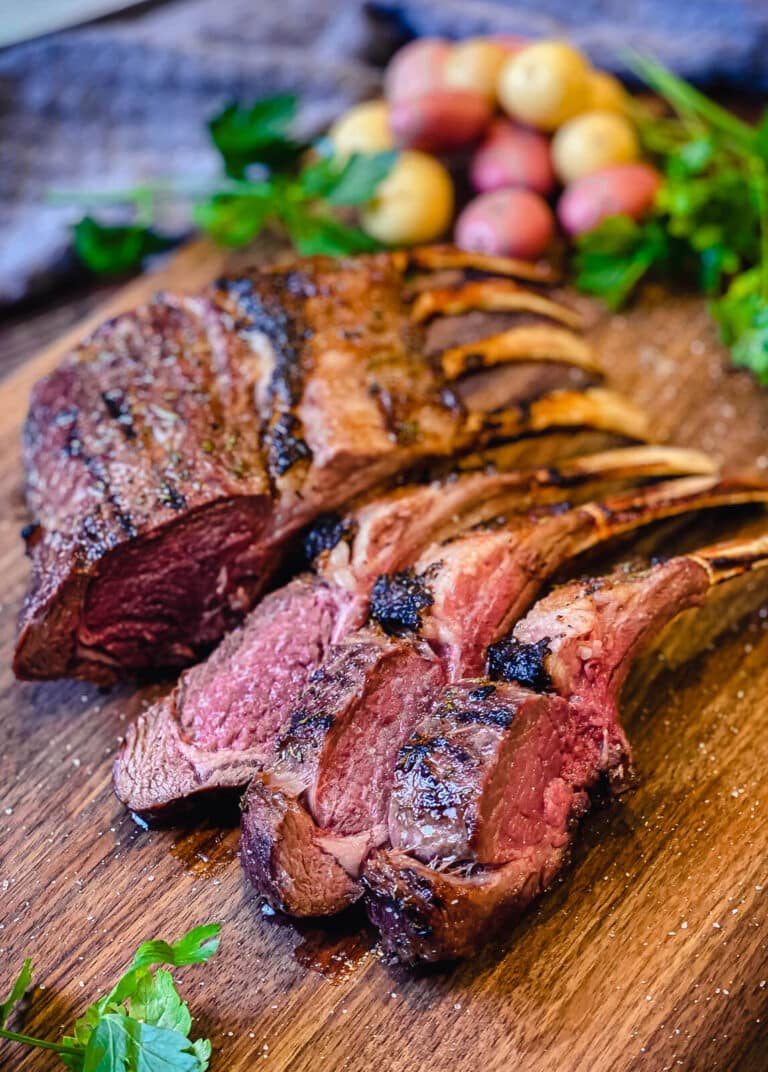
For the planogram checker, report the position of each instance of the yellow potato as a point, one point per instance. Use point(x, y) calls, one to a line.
point(606, 93)
point(363, 129)
point(413, 204)
point(475, 64)
point(591, 142)
point(544, 85)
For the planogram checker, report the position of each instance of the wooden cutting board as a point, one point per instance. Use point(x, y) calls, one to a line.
point(652, 953)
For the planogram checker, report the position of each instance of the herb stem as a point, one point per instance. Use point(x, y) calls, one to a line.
point(689, 102)
point(27, 1040)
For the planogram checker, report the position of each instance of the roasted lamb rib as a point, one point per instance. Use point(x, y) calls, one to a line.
point(172, 453)
point(326, 797)
point(219, 725)
point(488, 788)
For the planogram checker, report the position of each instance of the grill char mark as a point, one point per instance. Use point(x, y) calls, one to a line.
point(511, 660)
point(277, 309)
point(397, 601)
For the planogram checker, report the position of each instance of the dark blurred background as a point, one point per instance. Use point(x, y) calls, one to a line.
point(124, 98)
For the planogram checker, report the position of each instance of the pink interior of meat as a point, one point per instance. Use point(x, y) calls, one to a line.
point(356, 782)
point(241, 696)
point(526, 801)
point(164, 600)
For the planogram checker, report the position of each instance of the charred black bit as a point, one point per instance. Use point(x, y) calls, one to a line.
point(509, 660)
point(168, 495)
point(303, 723)
point(30, 533)
point(286, 446)
point(745, 563)
point(119, 410)
point(325, 532)
point(482, 692)
point(397, 601)
point(503, 717)
point(125, 520)
point(474, 362)
point(418, 750)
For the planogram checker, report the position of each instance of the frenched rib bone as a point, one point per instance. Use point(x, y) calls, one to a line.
point(172, 453)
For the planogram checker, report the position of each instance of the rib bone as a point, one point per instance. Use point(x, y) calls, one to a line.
point(438, 257)
point(530, 342)
point(491, 296)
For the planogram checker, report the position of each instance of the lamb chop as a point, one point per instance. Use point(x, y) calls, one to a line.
point(172, 453)
point(323, 805)
point(219, 725)
point(489, 787)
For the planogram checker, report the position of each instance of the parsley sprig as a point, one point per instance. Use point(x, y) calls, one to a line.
point(710, 221)
point(266, 181)
point(142, 1024)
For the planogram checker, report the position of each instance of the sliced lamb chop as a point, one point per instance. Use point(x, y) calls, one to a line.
point(171, 454)
point(437, 597)
point(305, 829)
point(489, 787)
point(218, 727)
point(323, 776)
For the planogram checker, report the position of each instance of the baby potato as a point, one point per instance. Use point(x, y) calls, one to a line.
point(544, 84)
point(512, 155)
point(623, 190)
point(593, 141)
point(606, 93)
point(413, 204)
point(439, 121)
point(475, 64)
point(363, 129)
point(506, 223)
point(417, 68)
point(511, 42)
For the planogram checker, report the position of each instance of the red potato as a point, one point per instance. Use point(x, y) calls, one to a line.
point(623, 190)
point(512, 156)
point(506, 223)
point(439, 121)
point(417, 68)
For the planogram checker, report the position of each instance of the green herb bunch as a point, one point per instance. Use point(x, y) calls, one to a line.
point(266, 180)
point(710, 221)
point(142, 1025)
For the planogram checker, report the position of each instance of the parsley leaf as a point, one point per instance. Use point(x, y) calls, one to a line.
point(235, 219)
point(316, 234)
point(142, 1025)
point(612, 260)
point(18, 990)
point(122, 1044)
point(256, 134)
point(742, 314)
point(709, 223)
point(196, 947)
point(114, 249)
point(347, 182)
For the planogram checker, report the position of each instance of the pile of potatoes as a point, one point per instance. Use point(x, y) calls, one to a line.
point(535, 117)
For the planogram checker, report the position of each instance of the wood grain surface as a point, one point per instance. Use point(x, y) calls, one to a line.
point(650, 954)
